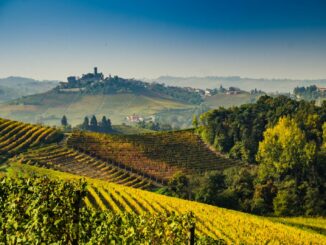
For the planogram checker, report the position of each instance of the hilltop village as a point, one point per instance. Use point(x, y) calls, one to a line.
point(97, 79)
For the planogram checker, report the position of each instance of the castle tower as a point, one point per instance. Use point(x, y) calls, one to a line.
point(95, 71)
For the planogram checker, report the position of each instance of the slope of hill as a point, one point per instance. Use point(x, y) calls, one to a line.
point(141, 160)
point(48, 108)
point(231, 226)
point(16, 137)
point(127, 129)
point(67, 160)
point(314, 224)
point(159, 155)
point(33, 144)
point(15, 87)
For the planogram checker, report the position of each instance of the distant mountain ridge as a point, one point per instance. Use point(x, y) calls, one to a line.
point(267, 85)
point(16, 87)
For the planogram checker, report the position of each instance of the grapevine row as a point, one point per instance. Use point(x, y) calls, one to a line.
point(63, 159)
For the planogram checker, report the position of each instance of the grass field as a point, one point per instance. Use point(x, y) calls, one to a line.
point(232, 226)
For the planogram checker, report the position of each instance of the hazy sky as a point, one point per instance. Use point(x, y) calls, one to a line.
point(51, 39)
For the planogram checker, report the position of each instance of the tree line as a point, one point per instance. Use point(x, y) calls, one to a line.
point(104, 126)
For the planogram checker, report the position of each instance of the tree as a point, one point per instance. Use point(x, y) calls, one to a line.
point(285, 151)
point(324, 135)
point(212, 185)
point(195, 121)
point(106, 125)
point(287, 201)
point(239, 151)
point(64, 121)
point(93, 124)
point(109, 124)
point(85, 124)
point(179, 186)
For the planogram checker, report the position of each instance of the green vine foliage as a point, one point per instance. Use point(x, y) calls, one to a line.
point(39, 210)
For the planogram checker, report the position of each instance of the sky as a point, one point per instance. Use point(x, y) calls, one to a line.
point(52, 39)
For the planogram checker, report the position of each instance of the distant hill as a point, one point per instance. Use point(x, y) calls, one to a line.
point(49, 107)
point(16, 87)
point(114, 97)
point(267, 85)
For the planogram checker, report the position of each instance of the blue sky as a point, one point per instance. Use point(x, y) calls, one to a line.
point(51, 39)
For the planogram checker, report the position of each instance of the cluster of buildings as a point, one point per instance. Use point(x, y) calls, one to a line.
point(321, 89)
point(136, 119)
point(74, 82)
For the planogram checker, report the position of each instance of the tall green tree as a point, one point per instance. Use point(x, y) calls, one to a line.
point(195, 121)
point(85, 124)
point(106, 125)
point(64, 121)
point(93, 124)
point(285, 151)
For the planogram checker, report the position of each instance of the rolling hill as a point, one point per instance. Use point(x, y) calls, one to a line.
point(114, 97)
point(38, 150)
point(144, 160)
point(158, 155)
point(48, 108)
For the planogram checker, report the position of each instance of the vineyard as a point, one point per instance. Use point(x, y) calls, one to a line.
point(17, 136)
point(158, 155)
point(40, 210)
point(144, 161)
point(63, 159)
point(231, 226)
point(315, 224)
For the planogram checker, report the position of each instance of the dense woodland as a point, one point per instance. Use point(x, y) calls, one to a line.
point(284, 143)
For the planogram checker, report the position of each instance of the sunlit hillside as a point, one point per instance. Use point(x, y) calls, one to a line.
point(231, 226)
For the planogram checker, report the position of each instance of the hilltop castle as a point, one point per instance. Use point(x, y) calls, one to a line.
point(86, 78)
point(74, 82)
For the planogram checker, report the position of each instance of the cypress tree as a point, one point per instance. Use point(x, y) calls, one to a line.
point(85, 124)
point(93, 124)
point(64, 121)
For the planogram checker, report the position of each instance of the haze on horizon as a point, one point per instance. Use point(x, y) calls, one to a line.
point(258, 39)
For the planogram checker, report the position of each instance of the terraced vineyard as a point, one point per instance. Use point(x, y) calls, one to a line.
point(158, 155)
point(61, 158)
point(17, 136)
point(231, 226)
